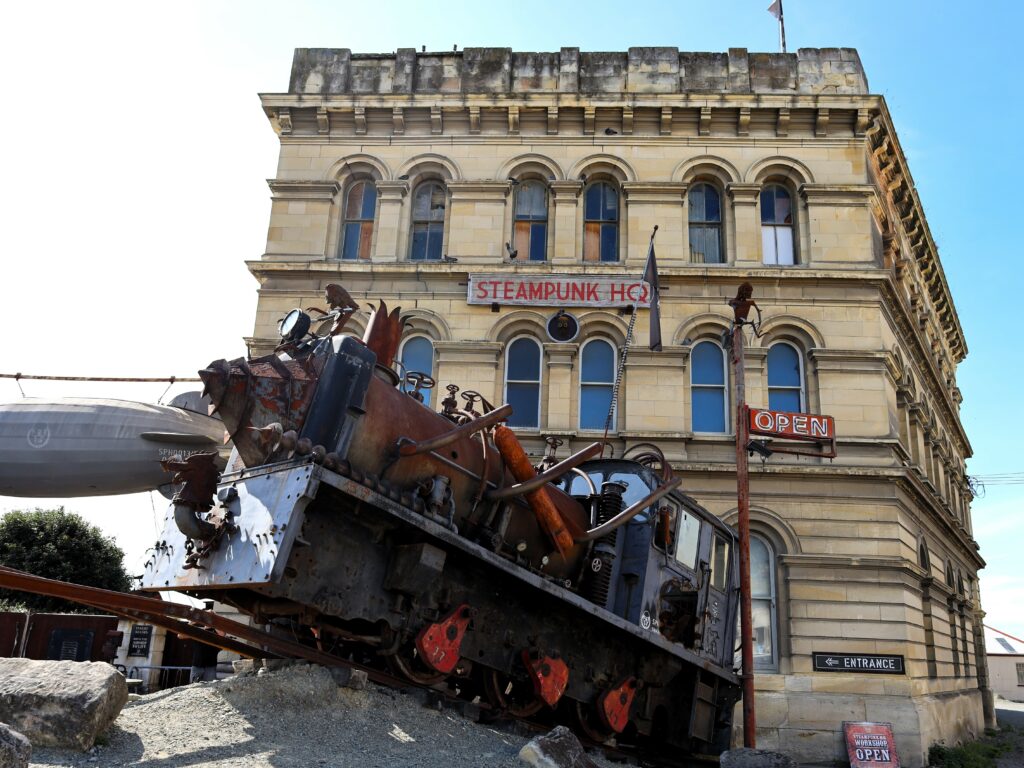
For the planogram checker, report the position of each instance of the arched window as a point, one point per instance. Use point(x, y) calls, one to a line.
point(530, 238)
point(777, 231)
point(707, 386)
point(763, 603)
point(922, 557)
point(428, 204)
point(785, 378)
point(357, 231)
point(522, 382)
point(417, 354)
point(601, 222)
point(705, 224)
point(597, 376)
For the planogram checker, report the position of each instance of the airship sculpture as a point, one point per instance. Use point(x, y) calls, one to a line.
point(98, 447)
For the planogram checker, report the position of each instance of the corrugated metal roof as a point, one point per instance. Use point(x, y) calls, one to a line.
point(1001, 644)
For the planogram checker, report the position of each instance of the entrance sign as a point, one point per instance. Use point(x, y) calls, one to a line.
point(877, 663)
point(559, 290)
point(793, 426)
point(138, 641)
point(870, 745)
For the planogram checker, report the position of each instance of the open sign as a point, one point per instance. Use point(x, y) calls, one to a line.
point(794, 426)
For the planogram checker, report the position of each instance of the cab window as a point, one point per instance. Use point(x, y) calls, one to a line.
point(719, 563)
point(687, 539)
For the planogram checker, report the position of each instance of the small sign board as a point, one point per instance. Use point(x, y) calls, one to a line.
point(138, 642)
point(792, 426)
point(559, 290)
point(870, 745)
point(876, 663)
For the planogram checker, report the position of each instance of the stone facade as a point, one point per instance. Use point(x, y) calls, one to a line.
point(872, 552)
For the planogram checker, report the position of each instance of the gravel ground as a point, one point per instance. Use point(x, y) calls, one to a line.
point(295, 716)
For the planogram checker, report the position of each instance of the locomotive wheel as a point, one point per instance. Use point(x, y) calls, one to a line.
point(515, 697)
point(587, 722)
point(406, 663)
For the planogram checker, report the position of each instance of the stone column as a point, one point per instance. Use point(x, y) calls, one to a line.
point(655, 204)
point(476, 220)
point(654, 395)
point(562, 399)
point(747, 235)
point(838, 226)
point(469, 365)
point(388, 241)
point(565, 195)
point(300, 217)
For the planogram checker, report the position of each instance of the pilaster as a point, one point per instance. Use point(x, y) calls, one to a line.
point(300, 213)
point(747, 234)
point(391, 196)
point(562, 399)
point(566, 196)
point(658, 204)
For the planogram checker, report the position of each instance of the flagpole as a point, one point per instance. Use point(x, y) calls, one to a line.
point(625, 348)
point(782, 28)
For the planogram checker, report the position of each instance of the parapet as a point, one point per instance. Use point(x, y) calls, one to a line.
point(326, 71)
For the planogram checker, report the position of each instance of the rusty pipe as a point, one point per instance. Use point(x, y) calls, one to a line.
point(408, 447)
point(628, 514)
point(547, 476)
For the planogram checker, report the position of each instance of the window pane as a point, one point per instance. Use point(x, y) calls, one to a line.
point(350, 249)
point(434, 242)
point(783, 366)
point(712, 245)
point(369, 200)
point(697, 244)
point(783, 206)
point(610, 208)
point(784, 245)
point(523, 360)
point(708, 409)
point(598, 363)
point(522, 238)
point(592, 203)
point(365, 238)
point(768, 205)
point(609, 242)
point(419, 242)
point(525, 404)
point(595, 402)
point(354, 203)
point(538, 241)
point(768, 249)
point(784, 400)
point(531, 202)
point(687, 538)
point(761, 612)
point(437, 202)
point(719, 563)
point(418, 355)
point(760, 573)
point(696, 198)
point(708, 364)
point(591, 241)
point(712, 207)
point(421, 203)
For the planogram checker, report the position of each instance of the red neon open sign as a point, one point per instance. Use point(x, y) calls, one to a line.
point(794, 426)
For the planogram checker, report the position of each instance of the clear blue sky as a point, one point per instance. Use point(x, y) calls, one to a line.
point(135, 152)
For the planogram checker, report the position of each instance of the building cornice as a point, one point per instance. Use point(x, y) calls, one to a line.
point(287, 189)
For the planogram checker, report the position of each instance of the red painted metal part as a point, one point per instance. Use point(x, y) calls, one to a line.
point(614, 704)
point(438, 643)
point(550, 676)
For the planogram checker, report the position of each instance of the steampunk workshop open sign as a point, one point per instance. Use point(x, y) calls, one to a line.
point(792, 426)
point(870, 745)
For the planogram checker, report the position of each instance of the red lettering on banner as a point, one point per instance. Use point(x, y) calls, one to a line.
point(480, 291)
point(522, 293)
point(536, 291)
point(549, 289)
point(592, 294)
point(507, 290)
point(559, 287)
point(644, 297)
point(618, 292)
point(577, 292)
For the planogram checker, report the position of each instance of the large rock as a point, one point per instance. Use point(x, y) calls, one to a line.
point(15, 749)
point(557, 749)
point(755, 758)
point(60, 703)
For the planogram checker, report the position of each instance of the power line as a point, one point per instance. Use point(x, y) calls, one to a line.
point(116, 379)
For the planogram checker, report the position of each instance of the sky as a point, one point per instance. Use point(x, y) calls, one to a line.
point(135, 156)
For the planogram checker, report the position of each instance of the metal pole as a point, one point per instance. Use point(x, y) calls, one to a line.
point(782, 28)
point(741, 306)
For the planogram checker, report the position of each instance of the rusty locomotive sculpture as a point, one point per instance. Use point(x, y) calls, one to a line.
point(361, 521)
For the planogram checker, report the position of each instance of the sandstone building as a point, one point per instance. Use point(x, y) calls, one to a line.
point(416, 177)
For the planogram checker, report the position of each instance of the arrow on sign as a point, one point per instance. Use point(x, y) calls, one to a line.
point(832, 662)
